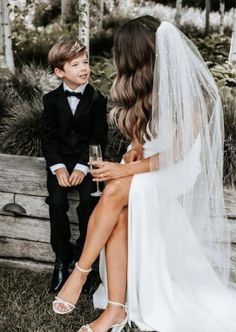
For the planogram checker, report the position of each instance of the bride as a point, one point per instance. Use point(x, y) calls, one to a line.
point(159, 224)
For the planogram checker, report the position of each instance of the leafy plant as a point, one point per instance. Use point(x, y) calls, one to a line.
point(21, 108)
point(214, 48)
point(228, 96)
point(20, 130)
point(46, 12)
point(225, 74)
point(102, 73)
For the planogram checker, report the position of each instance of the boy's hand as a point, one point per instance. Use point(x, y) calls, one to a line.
point(76, 177)
point(63, 177)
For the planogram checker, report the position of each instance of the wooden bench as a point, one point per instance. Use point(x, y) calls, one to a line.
point(25, 239)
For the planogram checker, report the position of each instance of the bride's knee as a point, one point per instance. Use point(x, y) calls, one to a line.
point(114, 190)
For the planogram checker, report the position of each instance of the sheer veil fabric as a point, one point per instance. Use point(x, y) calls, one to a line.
point(186, 107)
point(178, 238)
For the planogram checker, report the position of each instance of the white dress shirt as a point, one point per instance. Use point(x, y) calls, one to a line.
point(73, 102)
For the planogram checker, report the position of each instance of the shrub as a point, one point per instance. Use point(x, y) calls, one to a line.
point(21, 109)
point(225, 74)
point(214, 48)
point(228, 96)
point(46, 12)
point(102, 73)
point(32, 45)
point(20, 130)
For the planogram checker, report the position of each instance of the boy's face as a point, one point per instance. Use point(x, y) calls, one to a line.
point(76, 72)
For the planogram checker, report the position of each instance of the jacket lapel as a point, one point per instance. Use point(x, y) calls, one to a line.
point(63, 102)
point(84, 101)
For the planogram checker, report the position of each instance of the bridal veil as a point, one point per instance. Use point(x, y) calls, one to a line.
point(186, 108)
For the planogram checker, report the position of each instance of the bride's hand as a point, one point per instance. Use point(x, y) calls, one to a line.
point(133, 155)
point(106, 170)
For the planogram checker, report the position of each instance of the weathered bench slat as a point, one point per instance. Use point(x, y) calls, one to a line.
point(35, 207)
point(21, 174)
point(25, 264)
point(36, 251)
point(29, 229)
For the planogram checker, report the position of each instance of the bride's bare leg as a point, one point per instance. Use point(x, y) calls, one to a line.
point(101, 224)
point(116, 263)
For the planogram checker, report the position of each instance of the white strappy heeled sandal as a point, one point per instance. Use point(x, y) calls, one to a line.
point(114, 328)
point(68, 307)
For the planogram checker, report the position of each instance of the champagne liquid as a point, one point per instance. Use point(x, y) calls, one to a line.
point(94, 158)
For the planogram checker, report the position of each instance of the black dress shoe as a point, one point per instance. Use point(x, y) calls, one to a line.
point(92, 282)
point(60, 274)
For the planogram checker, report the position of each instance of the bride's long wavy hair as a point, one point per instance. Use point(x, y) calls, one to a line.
point(131, 92)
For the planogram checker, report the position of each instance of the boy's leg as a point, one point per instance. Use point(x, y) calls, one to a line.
point(60, 231)
point(84, 209)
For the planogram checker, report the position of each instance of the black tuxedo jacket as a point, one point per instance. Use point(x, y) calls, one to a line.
point(66, 137)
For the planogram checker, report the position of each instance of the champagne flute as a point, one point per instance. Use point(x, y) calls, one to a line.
point(95, 154)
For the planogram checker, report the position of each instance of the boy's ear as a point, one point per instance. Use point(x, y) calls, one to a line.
point(59, 72)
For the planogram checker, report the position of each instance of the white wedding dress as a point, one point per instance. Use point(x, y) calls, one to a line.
point(178, 240)
point(171, 286)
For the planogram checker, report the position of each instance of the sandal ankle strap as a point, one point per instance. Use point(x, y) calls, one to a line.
point(82, 270)
point(117, 303)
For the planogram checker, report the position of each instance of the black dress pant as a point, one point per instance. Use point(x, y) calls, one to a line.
point(58, 207)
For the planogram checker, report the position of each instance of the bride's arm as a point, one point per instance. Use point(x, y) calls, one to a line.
point(135, 153)
point(108, 171)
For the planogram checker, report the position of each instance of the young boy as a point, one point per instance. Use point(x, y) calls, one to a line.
point(74, 117)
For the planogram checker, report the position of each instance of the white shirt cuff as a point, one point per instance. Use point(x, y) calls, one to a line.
point(53, 168)
point(82, 168)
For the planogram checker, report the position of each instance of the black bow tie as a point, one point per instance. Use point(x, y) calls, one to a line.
point(74, 94)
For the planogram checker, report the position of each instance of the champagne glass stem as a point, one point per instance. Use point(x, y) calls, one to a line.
point(98, 189)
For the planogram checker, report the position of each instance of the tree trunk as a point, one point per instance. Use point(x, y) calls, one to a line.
point(232, 52)
point(178, 11)
point(66, 11)
point(2, 55)
point(6, 53)
point(98, 11)
point(83, 7)
point(222, 14)
point(208, 9)
point(109, 5)
point(101, 13)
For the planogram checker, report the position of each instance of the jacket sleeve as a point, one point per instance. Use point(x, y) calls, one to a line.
point(100, 127)
point(49, 139)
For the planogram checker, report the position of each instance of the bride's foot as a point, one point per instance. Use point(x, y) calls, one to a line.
point(113, 317)
point(69, 294)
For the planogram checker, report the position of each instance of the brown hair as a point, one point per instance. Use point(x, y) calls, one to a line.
point(64, 51)
point(134, 55)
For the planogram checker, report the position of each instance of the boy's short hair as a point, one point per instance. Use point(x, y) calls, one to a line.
point(64, 51)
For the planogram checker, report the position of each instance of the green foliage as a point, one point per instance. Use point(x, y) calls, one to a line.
point(46, 12)
point(21, 109)
point(225, 74)
point(101, 44)
point(228, 96)
point(214, 48)
point(33, 45)
point(20, 130)
point(102, 73)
